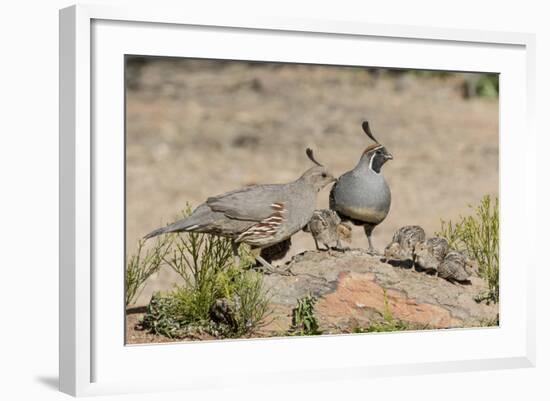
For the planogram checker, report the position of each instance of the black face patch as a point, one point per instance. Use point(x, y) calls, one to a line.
point(378, 158)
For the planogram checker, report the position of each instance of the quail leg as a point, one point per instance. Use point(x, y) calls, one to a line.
point(368, 232)
point(340, 248)
point(270, 269)
point(316, 244)
point(324, 247)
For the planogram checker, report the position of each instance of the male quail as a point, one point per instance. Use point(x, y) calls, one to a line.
point(403, 243)
point(327, 228)
point(258, 215)
point(362, 195)
point(455, 267)
point(429, 254)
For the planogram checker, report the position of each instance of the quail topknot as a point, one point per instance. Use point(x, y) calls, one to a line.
point(258, 215)
point(362, 195)
point(327, 229)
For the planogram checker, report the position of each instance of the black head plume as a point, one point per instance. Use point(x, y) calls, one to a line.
point(309, 154)
point(367, 130)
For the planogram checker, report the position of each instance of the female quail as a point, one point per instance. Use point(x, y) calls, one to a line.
point(362, 195)
point(258, 215)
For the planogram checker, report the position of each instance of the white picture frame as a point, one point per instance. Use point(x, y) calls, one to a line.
point(93, 357)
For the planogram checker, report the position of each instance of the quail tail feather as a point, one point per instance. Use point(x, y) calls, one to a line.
point(200, 217)
point(156, 232)
point(181, 225)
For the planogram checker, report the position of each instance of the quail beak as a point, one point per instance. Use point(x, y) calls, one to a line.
point(388, 156)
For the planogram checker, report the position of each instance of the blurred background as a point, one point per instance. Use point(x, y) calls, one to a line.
point(196, 128)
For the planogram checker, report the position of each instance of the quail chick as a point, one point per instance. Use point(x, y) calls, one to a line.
point(345, 232)
point(258, 215)
point(362, 195)
point(456, 267)
point(429, 254)
point(393, 251)
point(327, 229)
point(403, 243)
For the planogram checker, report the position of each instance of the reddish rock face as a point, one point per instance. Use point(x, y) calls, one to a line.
point(360, 299)
point(355, 290)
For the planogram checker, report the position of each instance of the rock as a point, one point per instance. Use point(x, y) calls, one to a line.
point(223, 312)
point(355, 290)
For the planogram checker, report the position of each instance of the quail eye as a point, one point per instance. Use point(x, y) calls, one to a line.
point(324, 175)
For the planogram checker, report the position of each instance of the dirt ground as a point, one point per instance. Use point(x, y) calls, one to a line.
point(201, 128)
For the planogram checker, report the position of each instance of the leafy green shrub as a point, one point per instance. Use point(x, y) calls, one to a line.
point(217, 297)
point(142, 265)
point(188, 311)
point(304, 321)
point(478, 236)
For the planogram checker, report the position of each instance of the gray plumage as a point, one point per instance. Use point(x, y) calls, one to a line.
point(327, 229)
point(455, 267)
point(429, 254)
point(362, 195)
point(259, 215)
point(403, 243)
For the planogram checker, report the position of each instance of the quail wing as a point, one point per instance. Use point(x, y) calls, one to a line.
point(254, 203)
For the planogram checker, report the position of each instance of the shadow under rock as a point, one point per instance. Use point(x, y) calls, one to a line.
point(404, 264)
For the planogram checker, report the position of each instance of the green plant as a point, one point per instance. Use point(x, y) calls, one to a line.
point(389, 323)
point(142, 265)
point(161, 317)
point(252, 302)
point(304, 322)
point(198, 258)
point(481, 85)
point(487, 85)
point(187, 311)
point(210, 279)
point(478, 236)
